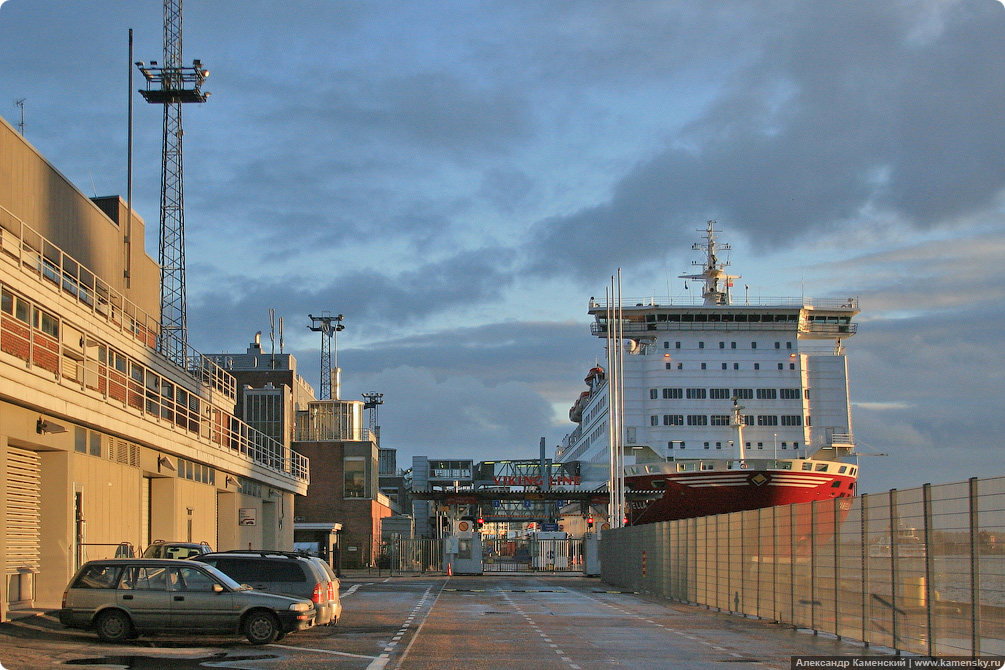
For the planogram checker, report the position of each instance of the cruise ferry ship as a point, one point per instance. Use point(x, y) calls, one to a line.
point(727, 404)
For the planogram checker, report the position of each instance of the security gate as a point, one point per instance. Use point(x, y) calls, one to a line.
point(532, 555)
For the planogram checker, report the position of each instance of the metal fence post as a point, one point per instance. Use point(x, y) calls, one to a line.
point(926, 508)
point(894, 525)
point(975, 573)
point(863, 535)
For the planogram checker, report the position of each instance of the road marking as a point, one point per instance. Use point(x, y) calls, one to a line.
point(330, 652)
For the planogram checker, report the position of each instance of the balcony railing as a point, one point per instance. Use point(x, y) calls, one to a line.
point(32, 334)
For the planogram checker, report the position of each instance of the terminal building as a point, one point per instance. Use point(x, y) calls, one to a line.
point(105, 444)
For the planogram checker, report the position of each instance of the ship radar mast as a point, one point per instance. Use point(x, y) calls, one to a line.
point(716, 290)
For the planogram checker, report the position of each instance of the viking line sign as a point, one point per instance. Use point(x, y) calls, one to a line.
point(535, 480)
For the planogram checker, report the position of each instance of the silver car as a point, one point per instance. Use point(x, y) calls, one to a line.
point(123, 598)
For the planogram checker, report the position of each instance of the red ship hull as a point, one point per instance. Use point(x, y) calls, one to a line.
point(693, 494)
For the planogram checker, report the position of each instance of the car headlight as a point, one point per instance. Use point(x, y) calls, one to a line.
point(301, 607)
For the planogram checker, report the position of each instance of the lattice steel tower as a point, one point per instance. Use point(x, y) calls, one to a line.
point(177, 84)
point(329, 327)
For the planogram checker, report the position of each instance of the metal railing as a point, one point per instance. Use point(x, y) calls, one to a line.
point(919, 570)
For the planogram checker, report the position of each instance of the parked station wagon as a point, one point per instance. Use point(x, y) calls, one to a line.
point(123, 598)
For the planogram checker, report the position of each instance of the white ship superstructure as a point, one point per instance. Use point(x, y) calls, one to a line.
point(744, 385)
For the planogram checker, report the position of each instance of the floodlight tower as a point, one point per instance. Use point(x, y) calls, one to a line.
point(328, 326)
point(170, 85)
point(372, 401)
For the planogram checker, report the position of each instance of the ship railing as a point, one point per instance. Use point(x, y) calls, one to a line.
point(759, 301)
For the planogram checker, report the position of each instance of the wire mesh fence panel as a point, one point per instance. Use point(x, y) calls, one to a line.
point(918, 570)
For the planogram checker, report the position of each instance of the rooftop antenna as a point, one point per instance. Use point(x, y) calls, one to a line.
point(372, 401)
point(328, 326)
point(272, 336)
point(20, 103)
point(171, 85)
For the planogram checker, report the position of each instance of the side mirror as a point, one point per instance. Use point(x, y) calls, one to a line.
point(217, 588)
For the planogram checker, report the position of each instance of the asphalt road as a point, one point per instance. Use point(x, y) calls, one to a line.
point(442, 623)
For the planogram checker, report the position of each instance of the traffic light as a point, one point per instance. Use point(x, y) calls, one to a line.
point(481, 522)
point(589, 522)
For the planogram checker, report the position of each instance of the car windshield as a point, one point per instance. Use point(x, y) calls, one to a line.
point(227, 581)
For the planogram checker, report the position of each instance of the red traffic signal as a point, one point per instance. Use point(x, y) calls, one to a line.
point(589, 522)
point(481, 522)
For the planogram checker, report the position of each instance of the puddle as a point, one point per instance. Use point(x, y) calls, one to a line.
point(137, 662)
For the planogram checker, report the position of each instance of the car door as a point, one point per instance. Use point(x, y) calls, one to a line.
point(200, 602)
point(143, 593)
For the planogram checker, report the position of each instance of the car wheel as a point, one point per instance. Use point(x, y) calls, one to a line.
point(114, 626)
point(261, 628)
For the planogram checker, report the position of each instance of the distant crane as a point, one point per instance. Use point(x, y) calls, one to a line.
point(177, 84)
point(329, 327)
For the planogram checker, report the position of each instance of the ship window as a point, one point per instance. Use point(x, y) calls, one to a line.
point(706, 445)
point(677, 345)
point(784, 465)
point(720, 419)
point(708, 466)
point(669, 366)
point(697, 394)
point(701, 345)
point(653, 394)
point(757, 366)
point(718, 445)
point(743, 394)
point(672, 394)
point(788, 394)
point(795, 445)
point(767, 420)
point(673, 420)
point(778, 345)
point(807, 466)
point(701, 317)
point(741, 317)
point(697, 420)
point(853, 471)
point(719, 394)
point(784, 445)
point(842, 469)
point(704, 366)
point(722, 345)
point(666, 345)
point(654, 420)
point(781, 366)
point(792, 420)
point(767, 394)
point(753, 345)
point(680, 366)
point(748, 419)
point(788, 345)
point(724, 366)
point(836, 483)
point(821, 467)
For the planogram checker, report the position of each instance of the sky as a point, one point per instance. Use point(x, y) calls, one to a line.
point(458, 178)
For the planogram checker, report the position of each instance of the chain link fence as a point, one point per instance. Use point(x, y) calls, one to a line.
point(919, 570)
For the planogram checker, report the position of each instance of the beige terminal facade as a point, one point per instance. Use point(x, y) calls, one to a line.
point(104, 441)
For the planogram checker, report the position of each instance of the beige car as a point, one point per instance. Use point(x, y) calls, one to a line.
point(125, 597)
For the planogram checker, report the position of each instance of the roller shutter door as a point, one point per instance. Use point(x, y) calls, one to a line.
point(23, 495)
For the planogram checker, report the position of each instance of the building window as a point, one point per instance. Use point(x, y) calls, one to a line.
point(355, 477)
point(673, 394)
point(80, 439)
